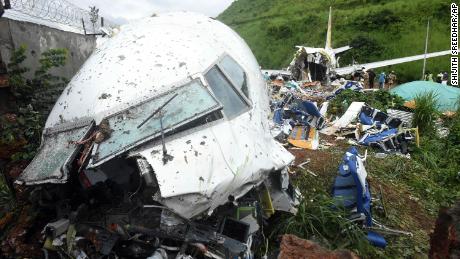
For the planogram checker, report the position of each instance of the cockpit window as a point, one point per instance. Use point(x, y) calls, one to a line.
point(181, 106)
point(235, 72)
point(51, 163)
point(233, 103)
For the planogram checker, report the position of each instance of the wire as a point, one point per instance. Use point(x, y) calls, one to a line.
point(220, 149)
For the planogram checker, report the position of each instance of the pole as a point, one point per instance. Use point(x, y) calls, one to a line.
point(426, 48)
point(83, 23)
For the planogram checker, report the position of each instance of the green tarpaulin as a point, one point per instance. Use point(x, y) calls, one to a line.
point(447, 96)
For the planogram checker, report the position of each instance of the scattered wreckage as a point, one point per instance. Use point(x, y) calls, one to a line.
point(374, 128)
point(297, 120)
point(160, 147)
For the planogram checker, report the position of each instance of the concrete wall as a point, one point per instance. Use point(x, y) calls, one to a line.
point(39, 38)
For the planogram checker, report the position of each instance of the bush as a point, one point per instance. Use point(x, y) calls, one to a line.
point(454, 128)
point(279, 32)
point(377, 20)
point(19, 87)
point(381, 100)
point(7, 201)
point(425, 113)
point(364, 49)
point(29, 116)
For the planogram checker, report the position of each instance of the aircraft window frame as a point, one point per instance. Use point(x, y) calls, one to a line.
point(234, 86)
point(230, 78)
point(47, 169)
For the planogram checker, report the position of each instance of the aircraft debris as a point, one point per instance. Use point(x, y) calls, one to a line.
point(181, 166)
point(375, 128)
point(322, 64)
point(352, 191)
point(298, 121)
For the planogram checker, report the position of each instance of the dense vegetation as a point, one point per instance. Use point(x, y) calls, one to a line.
point(21, 128)
point(377, 29)
point(31, 101)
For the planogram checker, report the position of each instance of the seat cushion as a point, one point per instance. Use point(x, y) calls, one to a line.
point(345, 197)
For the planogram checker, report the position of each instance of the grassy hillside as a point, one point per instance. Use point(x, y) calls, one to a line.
point(378, 29)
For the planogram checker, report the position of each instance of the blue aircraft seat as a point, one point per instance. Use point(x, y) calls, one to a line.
point(350, 192)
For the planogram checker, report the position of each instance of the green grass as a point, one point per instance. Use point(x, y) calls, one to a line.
point(7, 200)
point(395, 27)
point(426, 113)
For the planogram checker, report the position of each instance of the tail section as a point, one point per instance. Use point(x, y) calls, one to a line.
point(329, 31)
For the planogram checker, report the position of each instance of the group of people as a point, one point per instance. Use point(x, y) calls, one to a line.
point(369, 77)
point(442, 77)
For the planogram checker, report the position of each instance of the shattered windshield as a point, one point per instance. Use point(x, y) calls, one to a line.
point(49, 165)
point(233, 103)
point(191, 102)
point(236, 73)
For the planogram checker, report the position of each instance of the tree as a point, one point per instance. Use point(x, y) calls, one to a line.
point(93, 16)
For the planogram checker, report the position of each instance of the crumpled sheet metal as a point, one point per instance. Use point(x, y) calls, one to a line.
point(205, 171)
point(350, 115)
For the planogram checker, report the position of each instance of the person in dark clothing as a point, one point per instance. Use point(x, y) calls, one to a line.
point(445, 78)
point(372, 76)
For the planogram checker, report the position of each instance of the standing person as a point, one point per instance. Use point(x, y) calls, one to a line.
point(366, 78)
point(371, 76)
point(356, 76)
point(266, 76)
point(429, 76)
point(382, 77)
point(392, 79)
point(439, 77)
point(445, 78)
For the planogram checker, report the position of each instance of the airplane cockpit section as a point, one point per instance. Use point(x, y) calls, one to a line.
point(163, 134)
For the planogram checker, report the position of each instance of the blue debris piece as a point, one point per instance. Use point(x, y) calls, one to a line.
point(379, 137)
point(365, 120)
point(300, 113)
point(351, 192)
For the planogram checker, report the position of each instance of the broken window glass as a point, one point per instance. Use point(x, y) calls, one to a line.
point(233, 103)
point(193, 101)
point(55, 154)
point(236, 73)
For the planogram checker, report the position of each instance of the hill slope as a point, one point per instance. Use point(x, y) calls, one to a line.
point(378, 29)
